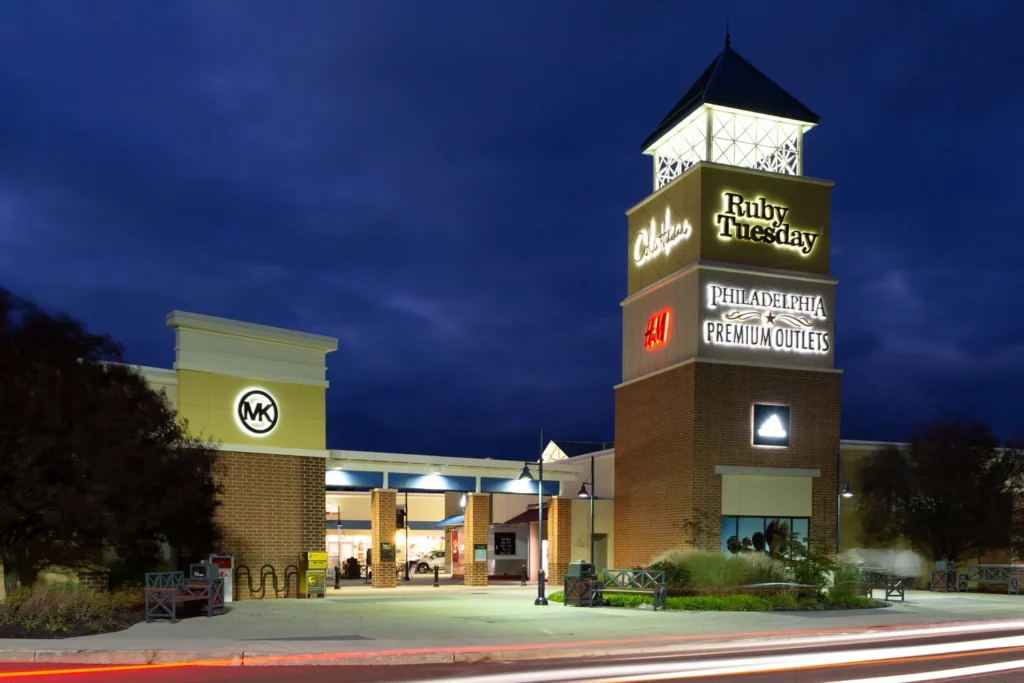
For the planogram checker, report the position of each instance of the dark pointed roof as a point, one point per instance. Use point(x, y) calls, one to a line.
point(731, 81)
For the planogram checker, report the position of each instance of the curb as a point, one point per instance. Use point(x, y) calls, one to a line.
point(173, 658)
point(668, 645)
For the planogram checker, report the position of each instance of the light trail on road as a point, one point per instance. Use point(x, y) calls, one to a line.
point(643, 672)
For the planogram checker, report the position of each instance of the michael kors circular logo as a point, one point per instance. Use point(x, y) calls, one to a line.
point(257, 411)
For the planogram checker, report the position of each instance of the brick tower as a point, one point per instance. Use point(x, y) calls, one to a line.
point(727, 417)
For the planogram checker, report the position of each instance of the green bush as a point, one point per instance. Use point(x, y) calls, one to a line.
point(63, 607)
point(851, 602)
point(809, 603)
point(739, 602)
point(676, 575)
point(845, 584)
point(715, 570)
point(811, 568)
point(720, 603)
point(627, 600)
point(784, 602)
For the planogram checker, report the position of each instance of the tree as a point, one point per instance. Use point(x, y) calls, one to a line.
point(91, 457)
point(950, 493)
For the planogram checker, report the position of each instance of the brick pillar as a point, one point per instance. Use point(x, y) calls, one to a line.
point(477, 523)
point(382, 530)
point(559, 526)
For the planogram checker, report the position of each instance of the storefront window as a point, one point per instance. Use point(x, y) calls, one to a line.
point(783, 536)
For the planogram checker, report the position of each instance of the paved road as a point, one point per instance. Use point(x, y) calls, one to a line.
point(948, 657)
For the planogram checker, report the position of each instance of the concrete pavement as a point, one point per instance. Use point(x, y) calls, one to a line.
point(420, 624)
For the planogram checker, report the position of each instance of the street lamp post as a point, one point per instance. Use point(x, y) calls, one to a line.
point(406, 521)
point(846, 492)
point(541, 600)
point(592, 495)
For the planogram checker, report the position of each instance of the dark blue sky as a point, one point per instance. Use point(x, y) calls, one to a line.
point(442, 187)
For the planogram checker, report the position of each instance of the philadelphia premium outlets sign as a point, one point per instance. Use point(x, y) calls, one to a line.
point(766, 319)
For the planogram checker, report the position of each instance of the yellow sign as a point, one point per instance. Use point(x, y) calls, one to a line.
point(316, 560)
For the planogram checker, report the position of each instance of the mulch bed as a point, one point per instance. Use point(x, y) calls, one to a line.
point(120, 623)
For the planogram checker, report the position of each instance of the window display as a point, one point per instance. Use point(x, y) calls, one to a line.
point(782, 536)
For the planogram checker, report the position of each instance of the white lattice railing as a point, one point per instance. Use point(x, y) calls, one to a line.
point(736, 138)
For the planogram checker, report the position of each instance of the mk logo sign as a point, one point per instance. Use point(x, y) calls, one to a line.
point(257, 412)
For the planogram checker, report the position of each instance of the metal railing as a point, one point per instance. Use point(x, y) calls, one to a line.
point(990, 573)
point(633, 579)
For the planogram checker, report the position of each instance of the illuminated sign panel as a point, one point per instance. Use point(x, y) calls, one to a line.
point(728, 215)
point(256, 412)
point(766, 319)
point(656, 333)
point(771, 425)
point(763, 222)
point(659, 239)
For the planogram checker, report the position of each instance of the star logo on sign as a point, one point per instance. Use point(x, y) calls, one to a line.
point(770, 318)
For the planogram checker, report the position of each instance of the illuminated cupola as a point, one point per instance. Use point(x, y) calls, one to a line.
point(735, 115)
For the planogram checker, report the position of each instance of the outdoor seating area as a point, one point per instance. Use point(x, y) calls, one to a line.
point(584, 589)
point(165, 591)
point(990, 574)
point(953, 580)
point(879, 578)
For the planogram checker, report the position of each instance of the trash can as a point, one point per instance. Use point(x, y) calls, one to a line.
point(580, 581)
point(581, 569)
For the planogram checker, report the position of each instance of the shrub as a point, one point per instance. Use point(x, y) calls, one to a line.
point(558, 596)
point(57, 607)
point(128, 599)
point(64, 607)
point(809, 603)
point(715, 570)
point(845, 584)
point(851, 602)
point(676, 575)
point(784, 602)
point(765, 569)
point(720, 603)
point(811, 568)
point(627, 600)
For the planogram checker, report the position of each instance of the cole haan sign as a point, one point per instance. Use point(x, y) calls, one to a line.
point(659, 239)
point(758, 220)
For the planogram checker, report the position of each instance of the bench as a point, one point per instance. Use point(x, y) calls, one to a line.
point(991, 574)
point(589, 592)
point(878, 577)
point(166, 590)
point(943, 581)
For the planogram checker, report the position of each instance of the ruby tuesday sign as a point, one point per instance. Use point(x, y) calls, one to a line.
point(763, 222)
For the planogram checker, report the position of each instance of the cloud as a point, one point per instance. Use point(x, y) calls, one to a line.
point(443, 189)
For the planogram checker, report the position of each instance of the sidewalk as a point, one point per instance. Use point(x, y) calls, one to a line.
point(422, 624)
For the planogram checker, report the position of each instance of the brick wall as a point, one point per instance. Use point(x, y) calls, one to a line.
point(653, 465)
point(98, 580)
point(672, 429)
point(382, 530)
point(477, 523)
point(559, 528)
point(272, 510)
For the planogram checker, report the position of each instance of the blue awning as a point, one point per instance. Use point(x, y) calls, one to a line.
point(451, 521)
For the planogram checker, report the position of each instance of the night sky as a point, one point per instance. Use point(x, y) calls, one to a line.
point(442, 186)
